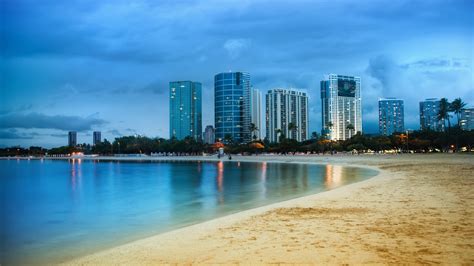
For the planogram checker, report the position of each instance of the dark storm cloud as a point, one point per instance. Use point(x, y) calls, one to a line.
point(156, 87)
point(115, 132)
point(14, 134)
point(38, 120)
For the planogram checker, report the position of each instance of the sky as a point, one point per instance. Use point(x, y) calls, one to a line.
point(105, 65)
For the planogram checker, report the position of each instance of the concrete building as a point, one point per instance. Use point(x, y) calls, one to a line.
point(429, 109)
point(467, 119)
point(209, 135)
point(185, 110)
point(72, 139)
point(96, 137)
point(341, 106)
point(256, 108)
point(283, 108)
point(232, 107)
point(391, 116)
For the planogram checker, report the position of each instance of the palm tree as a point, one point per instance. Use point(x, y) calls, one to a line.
point(314, 135)
point(329, 126)
point(292, 127)
point(228, 138)
point(350, 127)
point(253, 129)
point(456, 106)
point(443, 113)
point(278, 132)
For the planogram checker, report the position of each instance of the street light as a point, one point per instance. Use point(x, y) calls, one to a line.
point(407, 142)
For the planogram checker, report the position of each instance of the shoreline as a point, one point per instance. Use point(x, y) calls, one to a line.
point(190, 244)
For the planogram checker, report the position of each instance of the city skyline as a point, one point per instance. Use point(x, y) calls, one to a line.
point(108, 67)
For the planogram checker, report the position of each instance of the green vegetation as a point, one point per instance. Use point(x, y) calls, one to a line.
point(417, 141)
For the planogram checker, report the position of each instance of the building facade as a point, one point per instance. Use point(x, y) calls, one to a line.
point(209, 135)
point(185, 110)
point(341, 106)
point(429, 109)
point(256, 108)
point(72, 139)
point(286, 107)
point(391, 116)
point(467, 119)
point(232, 112)
point(96, 137)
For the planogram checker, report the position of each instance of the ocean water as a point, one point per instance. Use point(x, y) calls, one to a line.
point(54, 210)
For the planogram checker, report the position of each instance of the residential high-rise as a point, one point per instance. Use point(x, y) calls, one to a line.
point(429, 109)
point(286, 114)
point(391, 116)
point(467, 119)
point(256, 107)
point(209, 135)
point(96, 138)
point(232, 107)
point(72, 139)
point(185, 110)
point(341, 106)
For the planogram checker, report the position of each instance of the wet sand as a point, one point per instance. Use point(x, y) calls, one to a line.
point(419, 209)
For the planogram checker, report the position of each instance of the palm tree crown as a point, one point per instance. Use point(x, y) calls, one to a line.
point(443, 113)
point(456, 106)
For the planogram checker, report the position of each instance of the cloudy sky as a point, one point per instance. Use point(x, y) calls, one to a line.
point(105, 65)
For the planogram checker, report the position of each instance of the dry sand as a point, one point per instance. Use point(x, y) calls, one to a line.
point(419, 210)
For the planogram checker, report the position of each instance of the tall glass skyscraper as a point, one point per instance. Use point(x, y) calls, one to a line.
point(391, 116)
point(232, 106)
point(96, 139)
point(72, 139)
point(467, 119)
point(256, 107)
point(185, 110)
point(341, 106)
point(429, 109)
point(282, 108)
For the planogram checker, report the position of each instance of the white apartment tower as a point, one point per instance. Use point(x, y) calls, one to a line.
point(286, 114)
point(256, 110)
point(341, 106)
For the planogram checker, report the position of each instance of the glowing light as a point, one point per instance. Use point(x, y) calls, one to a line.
point(220, 175)
point(333, 177)
point(264, 171)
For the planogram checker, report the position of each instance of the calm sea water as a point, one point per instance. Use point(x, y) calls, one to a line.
point(55, 210)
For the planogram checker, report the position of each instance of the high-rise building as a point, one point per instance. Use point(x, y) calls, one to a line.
point(232, 107)
point(391, 116)
point(96, 138)
point(467, 119)
point(256, 107)
point(286, 114)
point(341, 106)
point(209, 135)
point(185, 110)
point(72, 139)
point(429, 109)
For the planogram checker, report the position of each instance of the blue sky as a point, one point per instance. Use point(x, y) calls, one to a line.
point(105, 65)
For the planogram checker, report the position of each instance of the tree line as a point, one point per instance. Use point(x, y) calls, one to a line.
point(454, 139)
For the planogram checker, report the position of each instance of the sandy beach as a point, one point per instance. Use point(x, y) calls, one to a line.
point(419, 209)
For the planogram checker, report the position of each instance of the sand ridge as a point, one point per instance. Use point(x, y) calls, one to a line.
point(418, 210)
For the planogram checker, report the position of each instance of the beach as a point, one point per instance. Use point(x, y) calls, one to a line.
point(418, 209)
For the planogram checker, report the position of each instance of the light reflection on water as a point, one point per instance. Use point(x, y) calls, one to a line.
point(55, 210)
